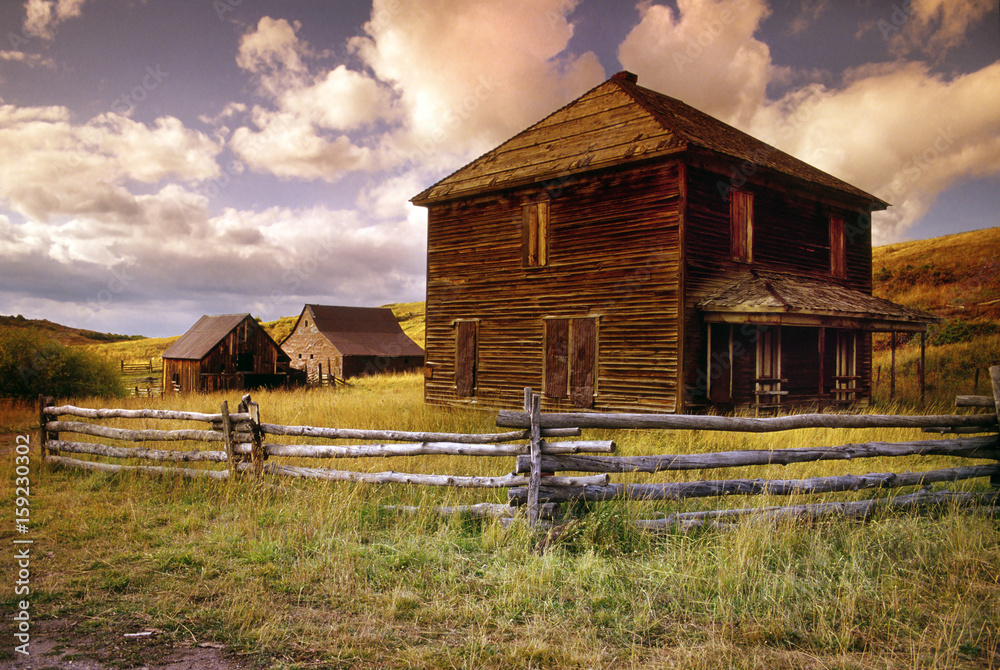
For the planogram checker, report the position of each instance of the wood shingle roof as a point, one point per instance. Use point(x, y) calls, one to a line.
point(615, 123)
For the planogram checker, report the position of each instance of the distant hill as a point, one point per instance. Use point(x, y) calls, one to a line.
point(63, 334)
point(955, 276)
point(411, 319)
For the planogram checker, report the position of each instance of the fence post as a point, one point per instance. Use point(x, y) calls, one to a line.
point(995, 379)
point(43, 418)
point(227, 435)
point(533, 406)
point(257, 453)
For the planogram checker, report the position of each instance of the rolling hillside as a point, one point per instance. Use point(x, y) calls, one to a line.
point(62, 334)
point(956, 277)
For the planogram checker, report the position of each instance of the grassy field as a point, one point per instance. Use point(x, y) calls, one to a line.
point(315, 575)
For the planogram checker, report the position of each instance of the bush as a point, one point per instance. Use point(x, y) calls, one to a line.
point(954, 331)
point(32, 365)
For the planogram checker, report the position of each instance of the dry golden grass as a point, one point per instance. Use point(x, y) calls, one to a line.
point(316, 575)
point(956, 276)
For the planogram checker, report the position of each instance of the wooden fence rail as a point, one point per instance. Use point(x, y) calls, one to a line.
point(536, 482)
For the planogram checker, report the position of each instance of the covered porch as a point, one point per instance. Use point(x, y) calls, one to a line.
point(775, 340)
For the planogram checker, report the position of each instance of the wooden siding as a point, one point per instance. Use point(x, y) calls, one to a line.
point(613, 257)
point(791, 233)
point(247, 346)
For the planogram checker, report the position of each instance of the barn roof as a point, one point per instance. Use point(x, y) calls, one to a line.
point(203, 335)
point(362, 331)
point(619, 122)
point(753, 296)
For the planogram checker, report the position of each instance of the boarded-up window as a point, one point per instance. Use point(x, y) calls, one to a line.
point(556, 357)
point(465, 357)
point(535, 233)
point(838, 247)
point(582, 361)
point(571, 360)
point(741, 225)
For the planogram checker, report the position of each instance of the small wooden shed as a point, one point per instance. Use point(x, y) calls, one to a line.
point(332, 342)
point(224, 352)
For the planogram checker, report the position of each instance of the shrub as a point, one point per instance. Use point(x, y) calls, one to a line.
point(32, 365)
point(954, 331)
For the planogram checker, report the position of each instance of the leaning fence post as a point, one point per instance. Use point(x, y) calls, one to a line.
point(995, 379)
point(533, 406)
point(257, 453)
point(227, 436)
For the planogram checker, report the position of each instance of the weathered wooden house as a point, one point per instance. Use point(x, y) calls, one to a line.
point(224, 352)
point(631, 253)
point(342, 342)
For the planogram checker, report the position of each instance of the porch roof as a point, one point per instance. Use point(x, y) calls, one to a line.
point(772, 298)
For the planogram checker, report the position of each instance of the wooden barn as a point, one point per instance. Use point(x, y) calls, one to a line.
point(333, 343)
point(224, 352)
point(631, 253)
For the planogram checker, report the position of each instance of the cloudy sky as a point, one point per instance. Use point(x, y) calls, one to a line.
point(164, 160)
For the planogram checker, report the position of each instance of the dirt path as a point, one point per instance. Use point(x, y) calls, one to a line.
point(58, 644)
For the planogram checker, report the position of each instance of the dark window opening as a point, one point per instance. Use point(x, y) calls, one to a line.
point(244, 362)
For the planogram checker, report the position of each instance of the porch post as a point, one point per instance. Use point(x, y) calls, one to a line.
point(892, 367)
point(822, 356)
point(923, 366)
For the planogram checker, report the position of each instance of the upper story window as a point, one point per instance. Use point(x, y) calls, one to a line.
point(741, 226)
point(838, 246)
point(535, 234)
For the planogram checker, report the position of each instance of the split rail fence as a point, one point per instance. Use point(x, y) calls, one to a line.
point(240, 446)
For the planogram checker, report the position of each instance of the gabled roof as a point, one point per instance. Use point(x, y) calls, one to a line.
point(616, 123)
point(754, 296)
point(361, 331)
point(200, 338)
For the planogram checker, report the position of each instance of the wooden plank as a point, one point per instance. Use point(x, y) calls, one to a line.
point(556, 358)
point(425, 449)
point(974, 401)
point(465, 357)
point(227, 436)
point(455, 481)
point(509, 418)
point(749, 487)
point(98, 449)
point(974, 447)
point(582, 361)
point(857, 509)
point(405, 436)
point(533, 405)
point(149, 435)
point(145, 469)
point(88, 413)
